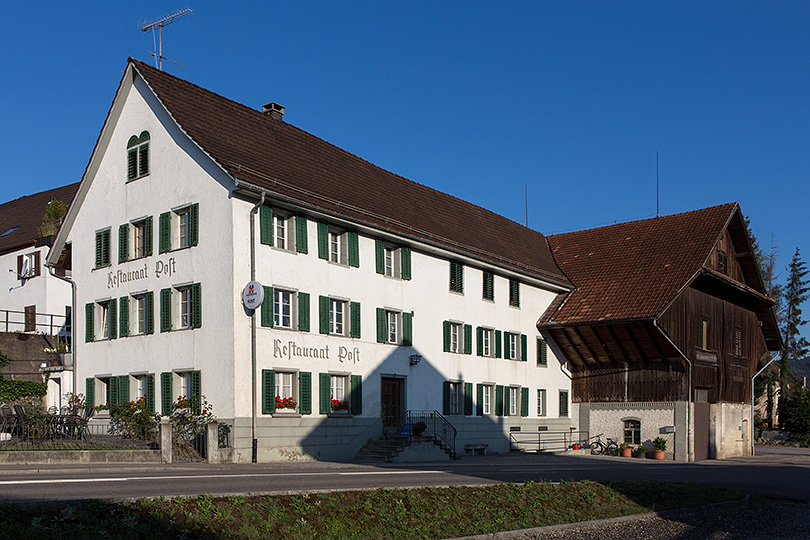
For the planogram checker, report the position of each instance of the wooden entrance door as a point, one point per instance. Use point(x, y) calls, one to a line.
point(391, 395)
point(701, 434)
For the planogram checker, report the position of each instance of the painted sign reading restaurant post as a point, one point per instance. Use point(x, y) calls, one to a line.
point(253, 295)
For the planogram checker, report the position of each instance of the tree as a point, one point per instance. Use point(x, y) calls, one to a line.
point(795, 346)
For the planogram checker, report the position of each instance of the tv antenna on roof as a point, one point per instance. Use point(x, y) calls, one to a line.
point(159, 24)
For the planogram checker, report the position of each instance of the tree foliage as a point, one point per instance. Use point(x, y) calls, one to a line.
point(795, 346)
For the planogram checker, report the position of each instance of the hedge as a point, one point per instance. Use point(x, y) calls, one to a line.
point(11, 390)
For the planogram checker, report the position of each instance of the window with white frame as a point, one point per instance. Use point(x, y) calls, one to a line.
point(512, 346)
point(138, 156)
point(140, 313)
point(139, 239)
point(286, 398)
point(487, 342)
point(390, 255)
point(514, 397)
point(338, 393)
point(487, 399)
point(179, 228)
point(105, 320)
point(184, 313)
point(392, 260)
point(541, 402)
point(181, 307)
point(28, 265)
point(456, 337)
point(392, 325)
point(337, 247)
point(283, 231)
point(103, 248)
point(283, 308)
point(337, 317)
point(456, 395)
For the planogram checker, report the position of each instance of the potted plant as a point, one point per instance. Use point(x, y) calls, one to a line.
point(419, 428)
point(641, 451)
point(660, 445)
point(626, 450)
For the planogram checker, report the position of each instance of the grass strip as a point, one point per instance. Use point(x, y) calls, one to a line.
point(381, 514)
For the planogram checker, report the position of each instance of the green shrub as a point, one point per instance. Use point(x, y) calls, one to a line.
point(133, 421)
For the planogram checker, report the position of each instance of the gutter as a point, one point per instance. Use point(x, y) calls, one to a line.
point(72, 319)
point(255, 446)
point(689, 453)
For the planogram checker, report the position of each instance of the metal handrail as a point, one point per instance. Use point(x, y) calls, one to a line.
point(434, 426)
point(543, 441)
point(52, 322)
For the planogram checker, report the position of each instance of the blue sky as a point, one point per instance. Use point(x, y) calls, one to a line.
point(477, 99)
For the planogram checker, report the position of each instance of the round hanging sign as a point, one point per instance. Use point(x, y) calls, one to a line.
point(253, 295)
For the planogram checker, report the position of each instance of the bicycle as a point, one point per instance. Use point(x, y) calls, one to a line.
point(608, 448)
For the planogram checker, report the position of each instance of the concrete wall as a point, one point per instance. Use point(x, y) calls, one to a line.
point(729, 430)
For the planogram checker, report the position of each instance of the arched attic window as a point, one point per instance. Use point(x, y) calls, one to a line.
point(138, 156)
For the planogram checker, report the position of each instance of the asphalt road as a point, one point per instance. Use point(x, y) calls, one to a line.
point(774, 471)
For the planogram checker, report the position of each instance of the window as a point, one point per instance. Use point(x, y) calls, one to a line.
point(286, 392)
point(393, 261)
point(456, 277)
point(337, 392)
point(514, 293)
point(181, 307)
point(457, 337)
point(186, 384)
point(101, 320)
point(632, 431)
point(489, 342)
point(144, 386)
point(28, 265)
point(489, 286)
point(542, 352)
point(138, 235)
point(513, 400)
point(282, 309)
point(282, 240)
point(515, 346)
point(541, 402)
point(104, 312)
point(282, 231)
point(453, 396)
point(563, 403)
point(704, 334)
point(394, 327)
point(103, 248)
point(487, 399)
point(138, 156)
point(340, 393)
point(179, 228)
point(30, 322)
point(722, 262)
point(339, 317)
point(338, 246)
point(138, 309)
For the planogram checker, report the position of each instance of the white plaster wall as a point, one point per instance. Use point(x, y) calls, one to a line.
point(180, 174)
point(728, 430)
point(49, 294)
point(608, 420)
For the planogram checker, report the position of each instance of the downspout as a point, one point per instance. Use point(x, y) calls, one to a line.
point(253, 211)
point(757, 374)
point(72, 320)
point(689, 456)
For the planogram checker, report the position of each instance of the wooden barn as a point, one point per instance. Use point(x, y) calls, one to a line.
point(664, 330)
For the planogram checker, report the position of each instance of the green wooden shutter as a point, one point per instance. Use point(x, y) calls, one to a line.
point(305, 392)
point(89, 323)
point(149, 392)
point(468, 399)
point(381, 325)
point(507, 345)
point(105, 252)
point(266, 225)
point(497, 344)
point(123, 243)
point(301, 245)
point(354, 250)
point(479, 402)
point(143, 160)
point(164, 232)
point(524, 354)
point(196, 391)
point(446, 398)
point(165, 310)
point(166, 397)
point(405, 263)
point(132, 164)
point(357, 394)
point(479, 331)
point(407, 329)
point(149, 315)
point(147, 237)
point(113, 318)
point(324, 393)
point(268, 391)
point(379, 256)
point(323, 314)
point(112, 383)
point(267, 308)
point(498, 400)
point(524, 401)
point(123, 316)
point(467, 339)
point(446, 336)
point(99, 243)
point(563, 403)
point(90, 391)
point(542, 358)
point(354, 308)
point(194, 224)
point(196, 305)
point(123, 389)
point(323, 241)
point(303, 312)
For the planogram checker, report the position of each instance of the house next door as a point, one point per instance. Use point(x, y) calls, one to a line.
point(391, 401)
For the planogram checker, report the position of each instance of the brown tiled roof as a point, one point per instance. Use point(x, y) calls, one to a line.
point(272, 154)
point(26, 214)
point(634, 270)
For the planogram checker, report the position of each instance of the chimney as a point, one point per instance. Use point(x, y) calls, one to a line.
point(273, 110)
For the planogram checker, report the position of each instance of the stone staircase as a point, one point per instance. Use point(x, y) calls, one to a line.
point(385, 450)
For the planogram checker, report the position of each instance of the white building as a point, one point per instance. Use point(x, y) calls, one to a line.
point(381, 295)
point(31, 299)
